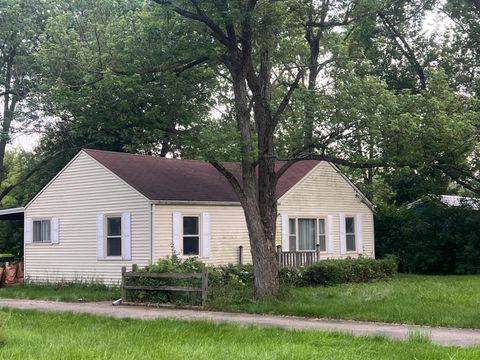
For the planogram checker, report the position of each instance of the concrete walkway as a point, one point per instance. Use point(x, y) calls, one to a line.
point(438, 335)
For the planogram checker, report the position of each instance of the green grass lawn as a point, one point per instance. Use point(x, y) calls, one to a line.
point(414, 299)
point(62, 292)
point(36, 335)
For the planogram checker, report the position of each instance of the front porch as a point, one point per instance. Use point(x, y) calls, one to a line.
point(290, 259)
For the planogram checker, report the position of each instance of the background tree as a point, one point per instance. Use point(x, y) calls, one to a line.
point(21, 23)
point(119, 76)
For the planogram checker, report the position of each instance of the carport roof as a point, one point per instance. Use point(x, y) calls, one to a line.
point(12, 214)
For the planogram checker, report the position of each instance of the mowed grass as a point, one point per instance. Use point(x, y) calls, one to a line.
point(413, 299)
point(36, 335)
point(70, 292)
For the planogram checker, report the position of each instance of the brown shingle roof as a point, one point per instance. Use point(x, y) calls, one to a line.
point(184, 180)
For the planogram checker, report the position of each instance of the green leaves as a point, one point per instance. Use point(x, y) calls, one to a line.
point(119, 73)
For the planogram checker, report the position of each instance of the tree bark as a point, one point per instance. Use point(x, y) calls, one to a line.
point(313, 40)
point(9, 104)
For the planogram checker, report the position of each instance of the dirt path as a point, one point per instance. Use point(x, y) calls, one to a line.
point(438, 335)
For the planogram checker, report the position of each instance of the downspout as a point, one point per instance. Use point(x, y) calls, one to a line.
point(152, 233)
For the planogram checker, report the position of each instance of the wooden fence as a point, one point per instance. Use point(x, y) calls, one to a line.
point(167, 288)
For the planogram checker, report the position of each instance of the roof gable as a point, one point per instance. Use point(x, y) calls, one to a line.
point(184, 180)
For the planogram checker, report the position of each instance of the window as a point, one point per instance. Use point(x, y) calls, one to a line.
point(292, 236)
point(350, 233)
point(306, 234)
point(41, 231)
point(114, 236)
point(191, 235)
point(322, 237)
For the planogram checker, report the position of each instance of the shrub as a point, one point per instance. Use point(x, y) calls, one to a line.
point(240, 275)
point(234, 283)
point(430, 238)
point(326, 272)
point(172, 264)
point(332, 272)
point(175, 264)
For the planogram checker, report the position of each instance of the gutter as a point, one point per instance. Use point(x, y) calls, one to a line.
point(152, 232)
point(195, 202)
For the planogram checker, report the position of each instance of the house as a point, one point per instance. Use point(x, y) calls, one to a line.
point(447, 200)
point(106, 210)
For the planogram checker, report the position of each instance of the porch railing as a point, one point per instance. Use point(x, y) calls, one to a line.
point(290, 259)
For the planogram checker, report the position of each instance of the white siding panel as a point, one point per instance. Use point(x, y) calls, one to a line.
point(28, 231)
point(330, 235)
point(343, 234)
point(176, 231)
point(126, 236)
point(359, 242)
point(285, 233)
point(205, 235)
point(325, 193)
point(100, 236)
point(83, 190)
point(228, 230)
point(55, 230)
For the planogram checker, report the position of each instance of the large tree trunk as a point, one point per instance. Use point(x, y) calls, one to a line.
point(262, 247)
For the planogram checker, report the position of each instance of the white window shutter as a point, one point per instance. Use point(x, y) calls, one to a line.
point(126, 236)
point(28, 231)
point(343, 236)
point(100, 242)
point(205, 235)
point(359, 239)
point(176, 230)
point(285, 233)
point(330, 234)
point(55, 230)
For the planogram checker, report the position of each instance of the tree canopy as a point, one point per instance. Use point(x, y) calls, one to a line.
point(364, 84)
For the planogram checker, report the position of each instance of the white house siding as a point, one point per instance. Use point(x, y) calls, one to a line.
point(325, 192)
point(321, 193)
point(81, 191)
point(228, 230)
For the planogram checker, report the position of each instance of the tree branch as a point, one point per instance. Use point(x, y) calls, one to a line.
point(230, 178)
point(200, 16)
point(405, 48)
point(286, 99)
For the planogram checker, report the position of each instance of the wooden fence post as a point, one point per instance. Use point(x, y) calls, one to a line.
point(318, 252)
point(240, 255)
point(123, 291)
point(134, 267)
point(204, 286)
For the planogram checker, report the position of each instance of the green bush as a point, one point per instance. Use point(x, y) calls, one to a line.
point(430, 238)
point(333, 272)
point(234, 283)
point(170, 265)
point(234, 275)
point(326, 272)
